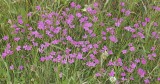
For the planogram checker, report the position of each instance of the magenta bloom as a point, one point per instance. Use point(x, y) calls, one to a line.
point(141, 72)
point(109, 14)
point(87, 25)
point(128, 28)
point(123, 10)
point(20, 21)
point(127, 13)
point(18, 48)
point(136, 25)
point(144, 24)
point(95, 4)
point(143, 61)
point(5, 38)
point(118, 23)
point(78, 15)
point(123, 74)
point(156, 8)
point(158, 78)
point(78, 6)
point(42, 59)
point(122, 4)
point(73, 4)
point(133, 65)
point(79, 56)
point(27, 47)
point(146, 81)
point(147, 19)
point(124, 51)
point(16, 39)
point(141, 35)
point(132, 49)
point(38, 8)
point(113, 39)
point(112, 73)
point(41, 25)
point(98, 74)
point(91, 64)
point(21, 67)
point(155, 24)
point(11, 67)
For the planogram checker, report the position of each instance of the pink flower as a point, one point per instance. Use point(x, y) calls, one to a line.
point(38, 8)
point(143, 61)
point(158, 78)
point(71, 61)
point(124, 51)
point(55, 41)
point(112, 73)
point(11, 67)
point(144, 24)
point(21, 67)
point(95, 4)
point(128, 28)
point(69, 38)
point(154, 54)
point(5, 38)
point(16, 39)
point(42, 59)
point(141, 35)
point(122, 4)
point(20, 21)
point(87, 24)
point(29, 14)
point(79, 56)
point(49, 22)
point(27, 47)
point(131, 78)
point(110, 52)
point(113, 39)
point(137, 60)
point(146, 81)
point(141, 72)
point(91, 64)
point(73, 4)
point(123, 10)
point(118, 23)
point(41, 25)
point(78, 6)
point(123, 74)
point(136, 25)
point(155, 24)
point(109, 14)
point(4, 55)
point(127, 13)
point(18, 48)
point(98, 74)
point(96, 61)
point(133, 65)
point(153, 48)
point(119, 62)
point(78, 15)
point(156, 8)
point(147, 19)
point(95, 19)
point(132, 48)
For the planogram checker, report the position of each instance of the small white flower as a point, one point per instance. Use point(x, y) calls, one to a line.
point(85, 8)
point(113, 79)
point(104, 55)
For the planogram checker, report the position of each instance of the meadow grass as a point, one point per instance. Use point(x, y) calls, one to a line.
point(37, 71)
